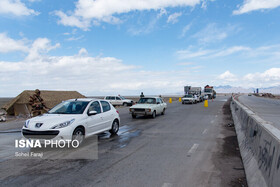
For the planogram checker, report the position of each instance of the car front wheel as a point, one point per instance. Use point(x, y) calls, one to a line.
point(163, 112)
point(79, 135)
point(133, 116)
point(154, 114)
point(115, 127)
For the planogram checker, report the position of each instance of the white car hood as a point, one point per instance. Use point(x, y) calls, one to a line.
point(50, 120)
point(143, 106)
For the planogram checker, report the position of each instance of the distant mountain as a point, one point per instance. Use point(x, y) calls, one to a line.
point(231, 89)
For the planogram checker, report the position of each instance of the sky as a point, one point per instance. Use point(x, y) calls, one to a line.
point(103, 47)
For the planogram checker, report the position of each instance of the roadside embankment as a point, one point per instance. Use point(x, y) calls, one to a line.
point(259, 144)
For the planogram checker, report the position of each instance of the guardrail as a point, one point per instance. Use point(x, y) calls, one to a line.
point(259, 144)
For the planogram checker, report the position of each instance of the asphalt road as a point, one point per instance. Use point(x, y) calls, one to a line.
point(180, 148)
point(266, 108)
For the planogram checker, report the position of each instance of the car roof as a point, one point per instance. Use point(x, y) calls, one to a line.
point(85, 99)
point(151, 97)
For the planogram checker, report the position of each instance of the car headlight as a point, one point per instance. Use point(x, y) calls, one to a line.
point(148, 110)
point(64, 124)
point(26, 123)
point(131, 109)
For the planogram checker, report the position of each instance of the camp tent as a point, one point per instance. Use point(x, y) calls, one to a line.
point(19, 105)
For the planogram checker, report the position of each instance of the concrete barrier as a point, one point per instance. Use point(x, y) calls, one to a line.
point(259, 144)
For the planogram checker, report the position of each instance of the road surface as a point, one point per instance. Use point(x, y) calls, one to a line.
point(188, 146)
point(268, 109)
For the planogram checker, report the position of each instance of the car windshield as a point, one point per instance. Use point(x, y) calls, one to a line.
point(69, 107)
point(122, 97)
point(147, 101)
point(188, 96)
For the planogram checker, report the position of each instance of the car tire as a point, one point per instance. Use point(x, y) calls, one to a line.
point(115, 127)
point(163, 112)
point(79, 135)
point(154, 114)
point(133, 116)
point(124, 104)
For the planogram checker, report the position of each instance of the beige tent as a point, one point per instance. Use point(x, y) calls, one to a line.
point(19, 105)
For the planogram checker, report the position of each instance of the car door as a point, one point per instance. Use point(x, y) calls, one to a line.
point(94, 122)
point(163, 104)
point(107, 114)
point(113, 100)
point(159, 106)
point(119, 101)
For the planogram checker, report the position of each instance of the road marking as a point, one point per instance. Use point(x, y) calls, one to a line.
point(193, 149)
point(167, 184)
point(205, 131)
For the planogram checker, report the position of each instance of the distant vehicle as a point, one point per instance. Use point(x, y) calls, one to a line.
point(205, 97)
point(119, 100)
point(148, 106)
point(189, 99)
point(249, 94)
point(209, 90)
point(192, 90)
point(200, 98)
point(74, 119)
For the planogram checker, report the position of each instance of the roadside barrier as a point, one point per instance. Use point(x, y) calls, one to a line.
point(259, 144)
point(180, 99)
point(170, 100)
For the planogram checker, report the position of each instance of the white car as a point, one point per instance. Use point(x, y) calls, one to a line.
point(189, 99)
point(74, 119)
point(119, 100)
point(148, 106)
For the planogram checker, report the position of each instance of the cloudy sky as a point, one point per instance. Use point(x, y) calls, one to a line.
point(124, 47)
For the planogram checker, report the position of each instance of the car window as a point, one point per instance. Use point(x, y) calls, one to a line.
point(118, 98)
point(161, 100)
point(105, 106)
point(158, 100)
point(107, 98)
point(95, 106)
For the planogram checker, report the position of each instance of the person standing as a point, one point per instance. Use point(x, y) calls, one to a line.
point(142, 95)
point(37, 104)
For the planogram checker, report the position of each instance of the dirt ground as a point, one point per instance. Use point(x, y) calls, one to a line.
point(228, 160)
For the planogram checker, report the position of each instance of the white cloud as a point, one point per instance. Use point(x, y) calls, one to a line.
point(253, 5)
point(189, 53)
point(231, 50)
point(8, 44)
point(72, 20)
point(15, 7)
point(40, 46)
point(266, 53)
point(89, 75)
point(88, 11)
point(227, 76)
point(173, 18)
point(185, 30)
point(211, 33)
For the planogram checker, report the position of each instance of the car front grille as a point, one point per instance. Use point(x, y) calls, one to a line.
point(139, 110)
point(39, 134)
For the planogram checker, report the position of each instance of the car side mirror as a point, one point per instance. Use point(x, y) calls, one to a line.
point(91, 113)
point(158, 103)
